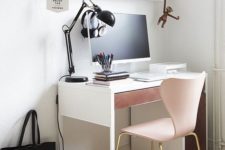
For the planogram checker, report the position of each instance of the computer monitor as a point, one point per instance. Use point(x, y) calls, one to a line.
point(127, 40)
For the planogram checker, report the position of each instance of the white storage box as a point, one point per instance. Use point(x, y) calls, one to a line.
point(168, 67)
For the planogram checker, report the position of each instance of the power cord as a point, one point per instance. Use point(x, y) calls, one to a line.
point(60, 132)
point(63, 77)
point(57, 110)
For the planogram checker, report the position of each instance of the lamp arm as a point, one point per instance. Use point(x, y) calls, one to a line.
point(67, 29)
point(69, 52)
point(77, 16)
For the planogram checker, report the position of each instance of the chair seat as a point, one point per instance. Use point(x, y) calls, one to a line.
point(158, 130)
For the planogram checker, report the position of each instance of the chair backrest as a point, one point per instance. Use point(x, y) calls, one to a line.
point(181, 98)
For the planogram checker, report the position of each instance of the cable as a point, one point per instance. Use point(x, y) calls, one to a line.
point(63, 77)
point(57, 110)
point(60, 133)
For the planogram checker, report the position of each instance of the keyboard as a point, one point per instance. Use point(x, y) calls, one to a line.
point(148, 77)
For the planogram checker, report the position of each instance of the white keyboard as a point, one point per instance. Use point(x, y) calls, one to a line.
point(148, 77)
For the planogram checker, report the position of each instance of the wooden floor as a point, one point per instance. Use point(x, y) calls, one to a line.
point(127, 147)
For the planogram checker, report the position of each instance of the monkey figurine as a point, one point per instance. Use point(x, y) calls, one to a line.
point(166, 13)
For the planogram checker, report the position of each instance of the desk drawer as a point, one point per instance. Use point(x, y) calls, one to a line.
point(127, 99)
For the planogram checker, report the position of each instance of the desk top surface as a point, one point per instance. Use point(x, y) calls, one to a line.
point(133, 85)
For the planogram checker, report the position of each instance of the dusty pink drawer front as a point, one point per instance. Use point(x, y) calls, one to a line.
point(126, 99)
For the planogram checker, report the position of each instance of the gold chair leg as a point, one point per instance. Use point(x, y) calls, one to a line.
point(119, 138)
point(160, 146)
point(196, 139)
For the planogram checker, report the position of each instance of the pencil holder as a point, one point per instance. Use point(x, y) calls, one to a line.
point(106, 67)
point(105, 61)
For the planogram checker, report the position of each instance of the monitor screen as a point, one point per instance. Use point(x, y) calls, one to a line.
point(127, 40)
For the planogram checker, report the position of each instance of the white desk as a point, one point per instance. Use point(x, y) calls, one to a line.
point(97, 104)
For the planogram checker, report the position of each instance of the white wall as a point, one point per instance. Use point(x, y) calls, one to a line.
point(33, 54)
point(33, 57)
point(191, 40)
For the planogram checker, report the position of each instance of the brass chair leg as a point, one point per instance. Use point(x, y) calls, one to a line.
point(196, 139)
point(119, 138)
point(160, 146)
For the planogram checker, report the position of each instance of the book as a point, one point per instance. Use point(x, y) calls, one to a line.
point(111, 78)
point(111, 74)
point(114, 82)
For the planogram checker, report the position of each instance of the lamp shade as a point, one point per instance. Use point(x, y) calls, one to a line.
point(107, 17)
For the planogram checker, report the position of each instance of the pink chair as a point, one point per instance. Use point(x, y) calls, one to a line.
point(181, 98)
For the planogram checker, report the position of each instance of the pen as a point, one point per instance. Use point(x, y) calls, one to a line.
point(98, 59)
point(111, 59)
point(105, 60)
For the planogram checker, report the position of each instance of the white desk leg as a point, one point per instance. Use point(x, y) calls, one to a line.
point(112, 138)
point(112, 125)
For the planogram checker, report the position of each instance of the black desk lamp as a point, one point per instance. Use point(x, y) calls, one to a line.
point(103, 15)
